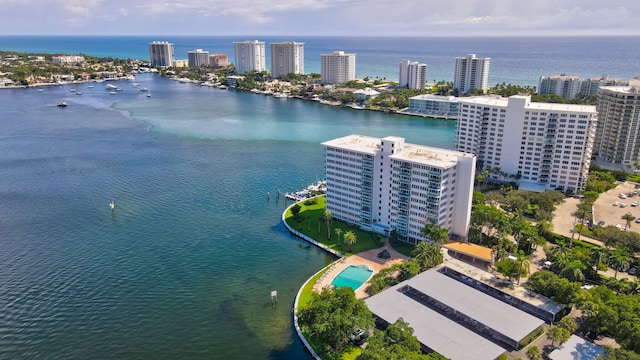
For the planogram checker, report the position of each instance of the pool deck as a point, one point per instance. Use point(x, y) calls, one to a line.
point(369, 258)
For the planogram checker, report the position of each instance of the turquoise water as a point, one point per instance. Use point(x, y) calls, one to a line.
point(185, 267)
point(353, 276)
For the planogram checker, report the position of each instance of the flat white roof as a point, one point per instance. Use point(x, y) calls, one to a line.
point(410, 152)
point(485, 309)
point(440, 334)
point(576, 348)
point(500, 101)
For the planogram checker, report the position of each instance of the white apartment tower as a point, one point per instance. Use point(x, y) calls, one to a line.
point(618, 135)
point(471, 73)
point(542, 146)
point(287, 58)
point(413, 75)
point(562, 85)
point(161, 53)
point(249, 56)
point(338, 67)
point(198, 57)
point(386, 184)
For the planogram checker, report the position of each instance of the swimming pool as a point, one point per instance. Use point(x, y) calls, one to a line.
point(353, 276)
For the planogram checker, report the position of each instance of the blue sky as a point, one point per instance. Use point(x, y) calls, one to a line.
point(320, 17)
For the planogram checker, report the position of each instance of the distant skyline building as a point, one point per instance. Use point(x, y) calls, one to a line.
point(618, 136)
point(67, 59)
point(198, 57)
point(287, 58)
point(338, 67)
point(250, 56)
point(569, 87)
point(471, 73)
point(386, 184)
point(161, 53)
point(218, 60)
point(541, 146)
point(413, 75)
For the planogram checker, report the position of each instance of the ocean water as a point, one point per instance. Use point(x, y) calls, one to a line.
point(515, 60)
point(185, 266)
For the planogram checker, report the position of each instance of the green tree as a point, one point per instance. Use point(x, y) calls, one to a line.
point(396, 342)
point(427, 255)
point(295, 210)
point(534, 353)
point(557, 334)
point(436, 233)
point(620, 260)
point(569, 324)
point(338, 232)
point(628, 218)
point(524, 265)
point(350, 238)
point(332, 315)
point(328, 216)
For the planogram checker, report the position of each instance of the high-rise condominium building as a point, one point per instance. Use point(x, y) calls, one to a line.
point(562, 85)
point(198, 57)
point(471, 73)
point(161, 53)
point(413, 75)
point(249, 56)
point(287, 58)
point(386, 184)
point(541, 146)
point(570, 86)
point(338, 67)
point(618, 136)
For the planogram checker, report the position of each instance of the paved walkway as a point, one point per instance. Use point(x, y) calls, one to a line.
point(369, 258)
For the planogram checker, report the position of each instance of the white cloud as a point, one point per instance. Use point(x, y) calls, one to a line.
point(323, 17)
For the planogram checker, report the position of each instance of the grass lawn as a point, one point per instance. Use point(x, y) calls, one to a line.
point(310, 222)
point(403, 247)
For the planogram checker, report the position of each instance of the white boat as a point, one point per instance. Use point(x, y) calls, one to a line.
point(112, 92)
point(148, 94)
point(135, 84)
point(72, 90)
point(111, 87)
point(90, 87)
point(144, 89)
point(40, 90)
point(78, 92)
point(62, 104)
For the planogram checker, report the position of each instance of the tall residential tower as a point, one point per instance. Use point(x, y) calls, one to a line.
point(161, 53)
point(287, 58)
point(471, 73)
point(413, 75)
point(618, 135)
point(249, 56)
point(542, 146)
point(338, 67)
point(386, 184)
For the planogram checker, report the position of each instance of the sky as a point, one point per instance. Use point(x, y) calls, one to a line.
point(320, 17)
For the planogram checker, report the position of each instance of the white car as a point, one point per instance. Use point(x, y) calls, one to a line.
point(623, 205)
point(622, 196)
point(615, 203)
point(634, 204)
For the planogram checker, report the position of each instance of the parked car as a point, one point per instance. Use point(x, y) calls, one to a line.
point(615, 203)
point(633, 271)
point(622, 205)
point(635, 203)
point(358, 336)
point(622, 196)
point(638, 220)
point(601, 222)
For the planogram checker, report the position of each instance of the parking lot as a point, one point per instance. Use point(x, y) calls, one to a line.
point(610, 209)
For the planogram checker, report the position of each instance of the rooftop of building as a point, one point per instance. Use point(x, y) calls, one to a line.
point(434, 97)
point(577, 348)
point(632, 88)
point(499, 101)
point(476, 251)
point(410, 152)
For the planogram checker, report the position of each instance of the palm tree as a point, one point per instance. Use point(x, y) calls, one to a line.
point(328, 216)
point(338, 232)
point(350, 238)
point(629, 219)
point(436, 233)
point(572, 271)
point(620, 260)
point(524, 265)
point(597, 253)
point(534, 353)
point(427, 255)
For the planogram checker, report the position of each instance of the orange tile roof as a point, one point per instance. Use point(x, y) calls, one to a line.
point(476, 251)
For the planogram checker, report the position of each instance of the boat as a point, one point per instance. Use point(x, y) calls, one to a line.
point(144, 89)
point(112, 92)
point(40, 90)
point(72, 90)
point(62, 104)
point(111, 87)
point(135, 85)
point(78, 92)
point(90, 87)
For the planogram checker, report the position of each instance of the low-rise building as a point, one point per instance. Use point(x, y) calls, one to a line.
point(434, 105)
point(67, 59)
point(364, 95)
